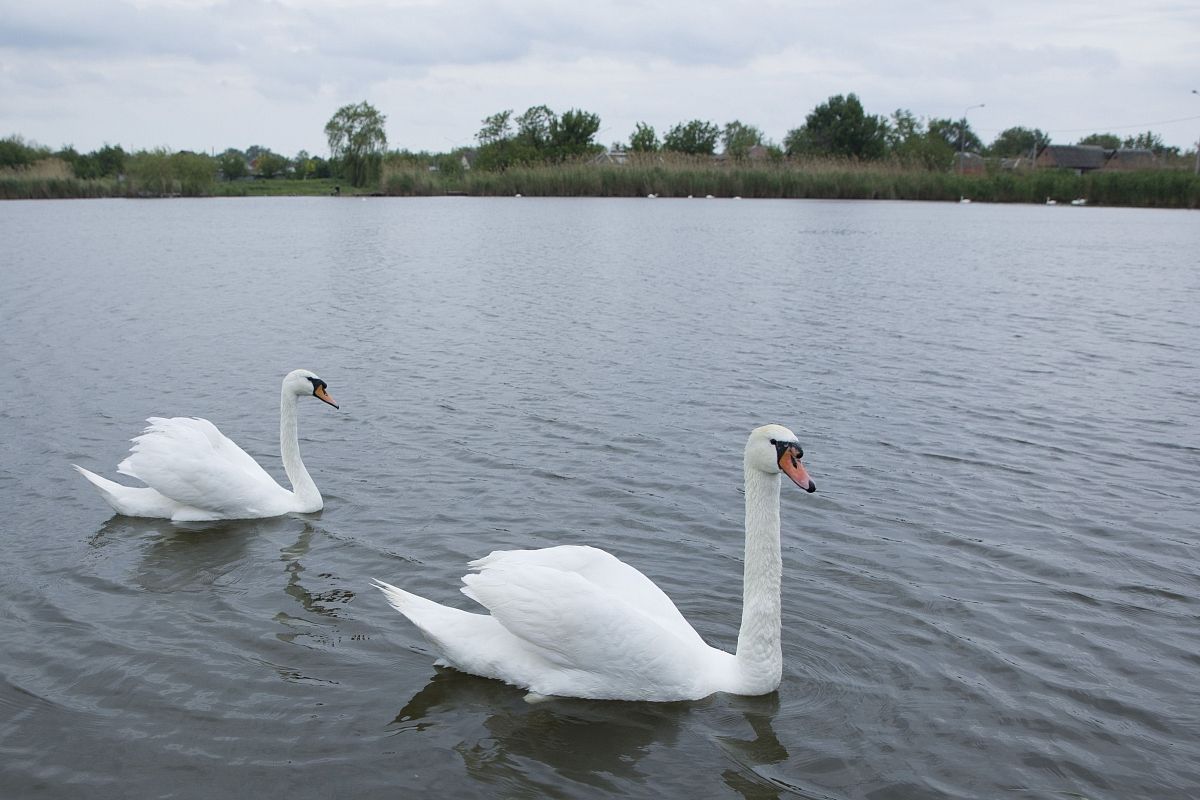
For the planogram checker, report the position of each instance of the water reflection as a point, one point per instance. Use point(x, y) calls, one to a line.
point(229, 558)
point(315, 602)
point(597, 743)
point(184, 558)
point(317, 627)
point(191, 556)
point(763, 749)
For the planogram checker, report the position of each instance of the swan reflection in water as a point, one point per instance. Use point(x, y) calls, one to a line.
point(317, 626)
point(325, 603)
point(164, 557)
point(175, 557)
point(188, 557)
point(593, 743)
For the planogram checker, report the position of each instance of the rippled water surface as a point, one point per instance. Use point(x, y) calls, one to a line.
point(995, 593)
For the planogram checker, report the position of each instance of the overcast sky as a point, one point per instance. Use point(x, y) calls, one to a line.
point(205, 75)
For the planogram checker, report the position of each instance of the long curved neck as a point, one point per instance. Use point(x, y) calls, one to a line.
point(759, 653)
point(307, 496)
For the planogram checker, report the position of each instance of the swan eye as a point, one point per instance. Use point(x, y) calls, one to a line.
point(796, 452)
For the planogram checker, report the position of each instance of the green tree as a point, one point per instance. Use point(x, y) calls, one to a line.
point(77, 162)
point(194, 172)
point(839, 127)
point(16, 152)
point(1109, 141)
point(498, 147)
point(644, 139)
point(957, 134)
point(271, 165)
point(910, 142)
point(738, 138)
point(496, 128)
point(694, 138)
point(573, 134)
point(109, 161)
point(1150, 141)
point(904, 128)
point(232, 165)
point(535, 126)
point(357, 140)
point(150, 171)
point(303, 165)
point(1018, 141)
point(450, 164)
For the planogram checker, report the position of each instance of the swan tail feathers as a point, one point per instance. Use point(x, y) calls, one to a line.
point(434, 620)
point(473, 643)
point(406, 603)
point(109, 490)
point(131, 501)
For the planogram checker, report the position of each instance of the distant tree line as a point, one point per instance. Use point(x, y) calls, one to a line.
point(161, 171)
point(537, 136)
point(838, 128)
point(841, 128)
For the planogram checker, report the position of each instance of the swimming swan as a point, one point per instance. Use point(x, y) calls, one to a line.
point(193, 472)
point(573, 621)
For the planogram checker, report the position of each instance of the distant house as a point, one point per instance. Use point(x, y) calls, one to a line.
point(969, 164)
point(1131, 158)
point(1078, 157)
point(757, 152)
point(613, 156)
point(1016, 163)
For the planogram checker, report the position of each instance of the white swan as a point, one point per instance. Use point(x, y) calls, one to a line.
point(574, 621)
point(193, 472)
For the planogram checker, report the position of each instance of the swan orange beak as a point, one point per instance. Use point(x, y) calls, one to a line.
point(789, 462)
point(323, 395)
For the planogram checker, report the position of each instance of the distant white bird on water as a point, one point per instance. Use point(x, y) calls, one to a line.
point(574, 621)
point(194, 473)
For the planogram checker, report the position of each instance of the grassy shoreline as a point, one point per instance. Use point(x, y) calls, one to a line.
point(1163, 188)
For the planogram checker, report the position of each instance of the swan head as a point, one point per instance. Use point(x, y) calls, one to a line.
point(303, 382)
point(774, 449)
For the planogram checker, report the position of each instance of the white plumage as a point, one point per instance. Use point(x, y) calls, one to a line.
point(193, 472)
point(576, 621)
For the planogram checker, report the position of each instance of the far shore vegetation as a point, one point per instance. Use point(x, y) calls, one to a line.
point(840, 152)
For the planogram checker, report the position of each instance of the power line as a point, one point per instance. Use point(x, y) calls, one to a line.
point(1095, 128)
point(1125, 127)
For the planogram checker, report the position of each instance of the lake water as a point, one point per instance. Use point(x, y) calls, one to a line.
point(994, 593)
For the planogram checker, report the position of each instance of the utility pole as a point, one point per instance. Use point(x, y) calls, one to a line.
point(1197, 145)
point(962, 135)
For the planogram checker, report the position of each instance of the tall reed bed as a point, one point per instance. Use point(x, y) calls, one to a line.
point(50, 179)
point(681, 176)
